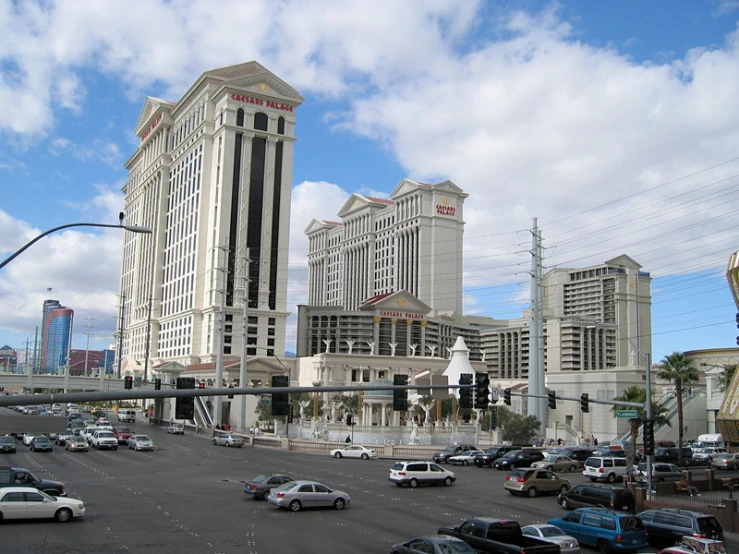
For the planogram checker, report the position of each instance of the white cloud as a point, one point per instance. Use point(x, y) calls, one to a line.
point(99, 149)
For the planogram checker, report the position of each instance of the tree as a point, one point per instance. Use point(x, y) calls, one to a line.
point(727, 377)
point(678, 369)
point(517, 428)
point(297, 398)
point(639, 395)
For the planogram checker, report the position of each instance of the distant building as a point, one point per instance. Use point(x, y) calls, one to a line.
point(56, 336)
point(94, 360)
point(8, 359)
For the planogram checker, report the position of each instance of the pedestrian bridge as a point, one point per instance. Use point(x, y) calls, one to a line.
point(65, 383)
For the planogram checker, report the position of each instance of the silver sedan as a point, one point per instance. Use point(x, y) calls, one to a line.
point(552, 534)
point(307, 494)
point(226, 439)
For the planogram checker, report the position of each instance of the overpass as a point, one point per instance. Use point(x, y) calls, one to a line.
point(65, 382)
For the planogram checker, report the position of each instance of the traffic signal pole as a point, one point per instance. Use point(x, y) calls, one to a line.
point(648, 360)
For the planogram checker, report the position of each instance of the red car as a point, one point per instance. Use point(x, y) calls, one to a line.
point(122, 434)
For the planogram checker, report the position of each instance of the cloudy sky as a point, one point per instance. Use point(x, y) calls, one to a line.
point(615, 124)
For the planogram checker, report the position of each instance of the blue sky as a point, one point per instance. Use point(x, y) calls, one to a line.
point(615, 124)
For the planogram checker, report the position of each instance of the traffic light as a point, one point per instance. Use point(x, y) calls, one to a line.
point(648, 432)
point(552, 400)
point(400, 397)
point(128, 383)
point(201, 385)
point(290, 414)
point(349, 419)
point(280, 400)
point(184, 408)
point(507, 397)
point(157, 384)
point(482, 391)
point(584, 403)
point(493, 417)
point(465, 393)
point(230, 395)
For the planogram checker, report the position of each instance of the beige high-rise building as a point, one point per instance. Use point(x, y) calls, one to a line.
point(212, 178)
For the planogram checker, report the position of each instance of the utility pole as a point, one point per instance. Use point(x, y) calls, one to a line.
point(219, 340)
point(536, 379)
point(648, 360)
point(146, 346)
point(120, 333)
point(242, 370)
point(34, 368)
point(87, 347)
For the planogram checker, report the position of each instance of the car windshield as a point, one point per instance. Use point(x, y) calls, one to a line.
point(455, 548)
point(550, 458)
point(551, 531)
point(6, 440)
point(123, 429)
point(288, 486)
point(723, 457)
point(142, 438)
point(260, 478)
point(631, 524)
point(511, 454)
point(449, 449)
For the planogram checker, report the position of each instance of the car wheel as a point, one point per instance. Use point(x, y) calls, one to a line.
point(413, 483)
point(337, 455)
point(365, 457)
point(512, 466)
point(294, 506)
point(448, 481)
point(214, 441)
point(228, 445)
point(64, 514)
point(565, 504)
point(563, 488)
point(265, 494)
point(604, 547)
point(115, 448)
point(465, 463)
point(339, 503)
point(532, 492)
point(572, 469)
point(734, 467)
point(593, 479)
point(611, 478)
point(512, 493)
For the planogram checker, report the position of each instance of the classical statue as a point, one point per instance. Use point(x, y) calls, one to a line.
point(414, 434)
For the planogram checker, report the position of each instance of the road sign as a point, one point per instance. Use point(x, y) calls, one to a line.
point(630, 414)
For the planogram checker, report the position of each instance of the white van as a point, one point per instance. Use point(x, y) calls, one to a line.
point(127, 416)
point(710, 440)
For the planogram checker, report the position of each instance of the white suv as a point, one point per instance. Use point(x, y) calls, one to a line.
point(420, 473)
point(103, 438)
point(605, 469)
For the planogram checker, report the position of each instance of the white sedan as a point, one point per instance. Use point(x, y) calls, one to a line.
point(354, 451)
point(466, 458)
point(30, 503)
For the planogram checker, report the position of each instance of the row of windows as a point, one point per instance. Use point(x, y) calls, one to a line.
point(186, 124)
point(261, 121)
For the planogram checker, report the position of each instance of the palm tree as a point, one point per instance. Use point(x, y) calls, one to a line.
point(678, 369)
point(639, 395)
point(727, 376)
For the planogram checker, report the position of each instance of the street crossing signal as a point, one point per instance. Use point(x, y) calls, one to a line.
point(493, 417)
point(507, 397)
point(648, 432)
point(349, 419)
point(482, 391)
point(552, 400)
point(400, 397)
point(201, 385)
point(128, 383)
point(157, 384)
point(584, 403)
point(230, 395)
point(280, 400)
point(184, 408)
point(465, 393)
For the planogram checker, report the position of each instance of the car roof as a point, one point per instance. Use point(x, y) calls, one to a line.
point(18, 489)
point(680, 511)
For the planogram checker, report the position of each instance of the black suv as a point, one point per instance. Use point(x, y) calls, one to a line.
point(10, 476)
point(452, 450)
point(492, 454)
point(519, 458)
point(667, 526)
point(672, 455)
point(598, 496)
point(574, 452)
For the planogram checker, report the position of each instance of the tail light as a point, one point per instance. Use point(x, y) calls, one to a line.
point(280, 495)
point(254, 487)
point(613, 504)
point(520, 480)
point(401, 473)
point(601, 470)
point(619, 538)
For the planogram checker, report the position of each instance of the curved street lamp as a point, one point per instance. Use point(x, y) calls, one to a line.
point(132, 228)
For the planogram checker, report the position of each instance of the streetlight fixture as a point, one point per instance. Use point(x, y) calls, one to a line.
point(132, 228)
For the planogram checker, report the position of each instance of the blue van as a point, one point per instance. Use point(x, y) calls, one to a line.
point(606, 530)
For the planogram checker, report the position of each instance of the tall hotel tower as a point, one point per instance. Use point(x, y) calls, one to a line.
point(212, 178)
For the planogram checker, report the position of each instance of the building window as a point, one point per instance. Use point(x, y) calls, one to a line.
point(271, 321)
point(260, 121)
point(240, 117)
point(281, 126)
point(229, 317)
point(253, 320)
point(270, 342)
point(226, 349)
point(365, 375)
point(229, 328)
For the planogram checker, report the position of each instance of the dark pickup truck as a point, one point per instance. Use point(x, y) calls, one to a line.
point(486, 534)
point(10, 476)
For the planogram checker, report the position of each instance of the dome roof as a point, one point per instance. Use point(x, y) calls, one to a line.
point(383, 382)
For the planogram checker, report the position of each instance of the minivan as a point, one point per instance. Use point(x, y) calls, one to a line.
point(667, 526)
point(127, 415)
point(606, 530)
point(420, 473)
point(605, 469)
point(596, 495)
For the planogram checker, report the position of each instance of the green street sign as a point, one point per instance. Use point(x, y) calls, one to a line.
point(630, 414)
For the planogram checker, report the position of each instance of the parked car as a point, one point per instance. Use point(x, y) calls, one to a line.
point(122, 434)
point(227, 439)
point(436, 544)
point(76, 444)
point(605, 530)
point(465, 458)
point(7, 445)
point(667, 526)
point(556, 463)
point(354, 451)
point(605, 469)
point(708, 454)
point(726, 461)
point(260, 486)
point(488, 457)
point(296, 495)
point(576, 453)
point(176, 428)
point(30, 503)
point(452, 450)
point(661, 472)
point(420, 473)
point(140, 442)
point(692, 545)
point(532, 481)
point(41, 443)
point(671, 455)
point(551, 533)
point(104, 438)
point(598, 496)
point(519, 458)
point(504, 536)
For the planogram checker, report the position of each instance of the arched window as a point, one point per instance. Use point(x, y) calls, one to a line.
point(281, 126)
point(240, 117)
point(260, 121)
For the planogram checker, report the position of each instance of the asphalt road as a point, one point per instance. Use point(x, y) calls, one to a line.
point(187, 497)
